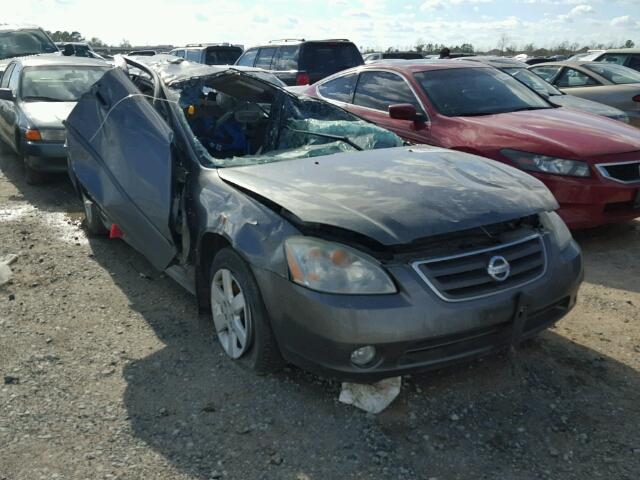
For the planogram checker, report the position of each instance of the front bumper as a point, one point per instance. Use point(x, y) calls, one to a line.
point(412, 330)
point(45, 156)
point(592, 202)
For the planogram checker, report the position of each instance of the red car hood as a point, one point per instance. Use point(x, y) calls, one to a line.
point(559, 132)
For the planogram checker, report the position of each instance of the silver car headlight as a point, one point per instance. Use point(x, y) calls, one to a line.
point(552, 222)
point(334, 268)
point(541, 163)
point(53, 135)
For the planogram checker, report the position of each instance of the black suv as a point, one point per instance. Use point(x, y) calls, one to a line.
point(302, 62)
point(209, 53)
point(21, 41)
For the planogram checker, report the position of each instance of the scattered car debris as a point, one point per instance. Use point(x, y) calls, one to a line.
point(372, 398)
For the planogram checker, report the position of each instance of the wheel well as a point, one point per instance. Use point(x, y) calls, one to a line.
point(210, 244)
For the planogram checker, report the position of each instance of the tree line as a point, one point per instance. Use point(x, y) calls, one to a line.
point(505, 46)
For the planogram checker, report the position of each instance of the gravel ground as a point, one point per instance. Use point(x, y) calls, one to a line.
point(109, 372)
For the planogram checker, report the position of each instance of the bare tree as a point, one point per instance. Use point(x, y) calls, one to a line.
point(503, 42)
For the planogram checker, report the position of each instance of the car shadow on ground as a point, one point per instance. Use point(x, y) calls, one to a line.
point(612, 255)
point(551, 409)
point(56, 194)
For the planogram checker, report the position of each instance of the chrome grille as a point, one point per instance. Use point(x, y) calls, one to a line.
point(466, 276)
point(624, 172)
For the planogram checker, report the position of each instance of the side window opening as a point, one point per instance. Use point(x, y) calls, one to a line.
point(546, 73)
point(248, 58)
point(574, 78)
point(287, 58)
point(378, 90)
point(265, 55)
point(340, 89)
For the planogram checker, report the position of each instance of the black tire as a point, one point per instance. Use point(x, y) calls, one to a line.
point(32, 177)
point(263, 355)
point(93, 218)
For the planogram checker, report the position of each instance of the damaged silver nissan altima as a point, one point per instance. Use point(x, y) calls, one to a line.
point(311, 235)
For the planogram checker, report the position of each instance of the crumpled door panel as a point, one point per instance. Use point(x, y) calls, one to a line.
point(120, 151)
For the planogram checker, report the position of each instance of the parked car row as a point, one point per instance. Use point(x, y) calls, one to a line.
point(305, 219)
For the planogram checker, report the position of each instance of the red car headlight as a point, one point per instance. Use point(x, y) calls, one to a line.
point(535, 162)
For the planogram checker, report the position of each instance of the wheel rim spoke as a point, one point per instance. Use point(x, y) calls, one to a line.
point(237, 304)
point(218, 294)
point(227, 284)
point(238, 330)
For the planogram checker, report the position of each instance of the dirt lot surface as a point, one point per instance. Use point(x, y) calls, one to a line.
point(109, 372)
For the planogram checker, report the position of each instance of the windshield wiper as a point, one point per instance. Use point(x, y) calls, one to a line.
point(45, 99)
point(329, 136)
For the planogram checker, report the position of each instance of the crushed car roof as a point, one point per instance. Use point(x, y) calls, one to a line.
point(172, 69)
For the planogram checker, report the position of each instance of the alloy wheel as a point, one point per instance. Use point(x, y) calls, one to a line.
point(231, 313)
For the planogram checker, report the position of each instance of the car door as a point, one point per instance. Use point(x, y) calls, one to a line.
point(7, 107)
point(120, 150)
point(376, 90)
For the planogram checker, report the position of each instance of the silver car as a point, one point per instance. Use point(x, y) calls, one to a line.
point(627, 57)
point(518, 70)
point(606, 83)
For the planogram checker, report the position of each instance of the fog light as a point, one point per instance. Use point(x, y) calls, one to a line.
point(363, 356)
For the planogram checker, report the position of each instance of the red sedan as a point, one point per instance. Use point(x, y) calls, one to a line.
point(589, 162)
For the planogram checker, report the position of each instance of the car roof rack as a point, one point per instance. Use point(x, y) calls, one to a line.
point(332, 40)
point(285, 40)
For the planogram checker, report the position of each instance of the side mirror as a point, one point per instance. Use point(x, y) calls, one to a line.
point(405, 111)
point(6, 94)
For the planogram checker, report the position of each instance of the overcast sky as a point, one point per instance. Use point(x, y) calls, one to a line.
point(375, 23)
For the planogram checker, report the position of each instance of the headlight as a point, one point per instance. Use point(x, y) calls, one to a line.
point(552, 222)
point(52, 135)
point(334, 268)
point(541, 163)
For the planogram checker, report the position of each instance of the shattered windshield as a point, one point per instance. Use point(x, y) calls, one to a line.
point(240, 119)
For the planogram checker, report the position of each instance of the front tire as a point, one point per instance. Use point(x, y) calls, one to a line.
point(239, 315)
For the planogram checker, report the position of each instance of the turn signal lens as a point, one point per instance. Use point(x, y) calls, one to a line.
point(32, 135)
point(636, 98)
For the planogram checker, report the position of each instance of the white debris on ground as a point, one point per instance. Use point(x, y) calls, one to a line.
point(5, 271)
point(372, 398)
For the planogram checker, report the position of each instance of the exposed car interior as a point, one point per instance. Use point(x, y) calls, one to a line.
point(237, 114)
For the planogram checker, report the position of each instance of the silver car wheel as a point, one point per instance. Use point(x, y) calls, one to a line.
point(231, 314)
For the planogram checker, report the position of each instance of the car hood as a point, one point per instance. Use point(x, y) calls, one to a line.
point(396, 196)
point(559, 132)
point(47, 114)
point(585, 105)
